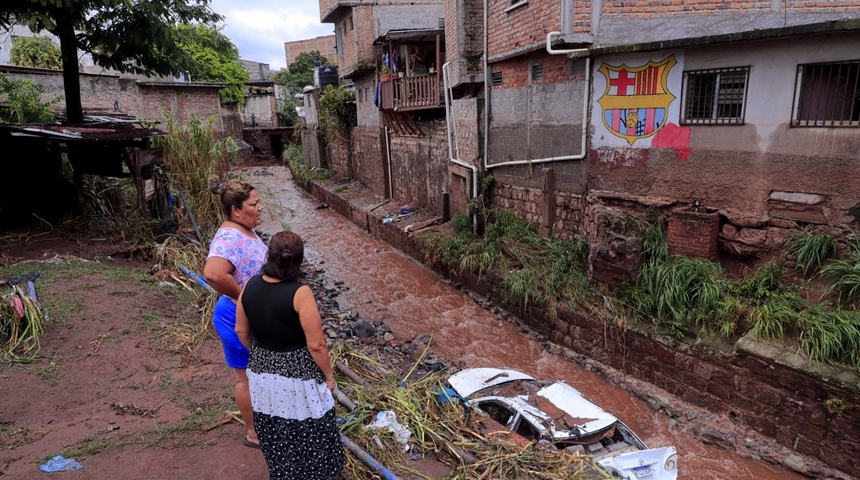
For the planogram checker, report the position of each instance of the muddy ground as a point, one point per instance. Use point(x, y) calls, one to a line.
point(118, 385)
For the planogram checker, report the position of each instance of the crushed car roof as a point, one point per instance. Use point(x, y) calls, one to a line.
point(560, 405)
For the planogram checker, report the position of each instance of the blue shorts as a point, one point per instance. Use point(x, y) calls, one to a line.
point(224, 318)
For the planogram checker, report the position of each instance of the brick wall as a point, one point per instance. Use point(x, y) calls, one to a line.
point(419, 166)
point(694, 234)
point(99, 93)
point(366, 111)
point(369, 159)
point(180, 102)
point(537, 113)
point(348, 55)
point(521, 29)
point(365, 29)
point(339, 156)
point(655, 8)
point(324, 45)
point(801, 6)
point(464, 40)
point(105, 94)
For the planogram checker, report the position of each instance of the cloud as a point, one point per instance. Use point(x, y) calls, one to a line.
point(259, 28)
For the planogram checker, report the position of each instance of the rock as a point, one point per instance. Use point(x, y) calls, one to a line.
point(795, 463)
point(362, 329)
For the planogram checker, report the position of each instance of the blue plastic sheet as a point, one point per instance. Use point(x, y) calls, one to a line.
point(60, 464)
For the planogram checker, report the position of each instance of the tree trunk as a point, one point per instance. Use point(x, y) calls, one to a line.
point(71, 70)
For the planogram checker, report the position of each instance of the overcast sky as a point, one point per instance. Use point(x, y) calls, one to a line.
point(260, 27)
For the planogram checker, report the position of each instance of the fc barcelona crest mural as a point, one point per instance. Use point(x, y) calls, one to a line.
point(636, 101)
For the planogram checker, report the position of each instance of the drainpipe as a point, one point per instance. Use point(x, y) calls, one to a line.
point(585, 122)
point(388, 161)
point(451, 125)
point(487, 80)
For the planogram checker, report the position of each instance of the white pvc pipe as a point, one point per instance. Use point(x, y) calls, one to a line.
point(578, 156)
point(388, 158)
point(553, 51)
point(453, 126)
point(448, 123)
point(487, 80)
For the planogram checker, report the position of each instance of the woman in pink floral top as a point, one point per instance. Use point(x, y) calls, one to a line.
point(235, 255)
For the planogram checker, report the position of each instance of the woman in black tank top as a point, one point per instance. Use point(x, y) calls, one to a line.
point(289, 372)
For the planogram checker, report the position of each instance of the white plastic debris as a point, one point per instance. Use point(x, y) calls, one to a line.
point(388, 419)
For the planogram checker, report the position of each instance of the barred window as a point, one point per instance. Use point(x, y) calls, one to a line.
point(827, 95)
point(497, 79)
point(537, 73)
point(715, 96)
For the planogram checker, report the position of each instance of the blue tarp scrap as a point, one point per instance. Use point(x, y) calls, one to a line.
point(60, 464)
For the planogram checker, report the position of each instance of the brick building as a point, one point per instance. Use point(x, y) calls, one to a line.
point(737, 120)
point(399, 147)
point(325, 45)
point(142, 99)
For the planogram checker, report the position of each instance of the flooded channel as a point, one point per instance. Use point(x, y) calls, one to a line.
point(386, 285)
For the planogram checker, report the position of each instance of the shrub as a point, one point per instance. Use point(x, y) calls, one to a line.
point(24, 100)
point(811, 249)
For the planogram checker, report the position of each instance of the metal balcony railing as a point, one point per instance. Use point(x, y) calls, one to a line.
point(411, 93)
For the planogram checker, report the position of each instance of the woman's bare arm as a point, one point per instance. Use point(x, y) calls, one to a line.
point(243, 328)
point(309, 315)
point(218, 272)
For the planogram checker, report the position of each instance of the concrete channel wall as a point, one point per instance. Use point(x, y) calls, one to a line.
point(810, 408)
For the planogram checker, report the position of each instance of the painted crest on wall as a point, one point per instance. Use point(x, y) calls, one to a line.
point(637, 99)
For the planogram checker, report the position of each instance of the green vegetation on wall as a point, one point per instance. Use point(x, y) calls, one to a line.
point(23, 102)
point(337, 112)
point(38, 51)
point(680, 296)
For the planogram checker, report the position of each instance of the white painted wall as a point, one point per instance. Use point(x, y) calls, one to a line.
point(770, 94)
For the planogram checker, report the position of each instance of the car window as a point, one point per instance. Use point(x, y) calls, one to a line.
point(526, 430)
point(497, 411)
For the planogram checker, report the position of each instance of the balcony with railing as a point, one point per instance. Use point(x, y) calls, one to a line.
point(418, 92)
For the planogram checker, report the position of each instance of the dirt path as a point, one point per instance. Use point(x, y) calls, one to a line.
point(113, 381)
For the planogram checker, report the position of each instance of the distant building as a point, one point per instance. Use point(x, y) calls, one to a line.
point(325, 45)
point(259, 72)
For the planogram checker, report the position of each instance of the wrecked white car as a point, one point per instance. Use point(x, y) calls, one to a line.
point(558, 413)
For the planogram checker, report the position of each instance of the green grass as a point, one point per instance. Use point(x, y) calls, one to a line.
point(811, 249)
point(301, 171)
point(535, 270)
point(678, 293)
point(90, 446)
point(844, 275)
point(830, 335)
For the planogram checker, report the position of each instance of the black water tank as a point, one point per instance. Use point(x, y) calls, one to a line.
point(328, 76)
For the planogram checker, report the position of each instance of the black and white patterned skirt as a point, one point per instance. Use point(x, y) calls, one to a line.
point(294, 416)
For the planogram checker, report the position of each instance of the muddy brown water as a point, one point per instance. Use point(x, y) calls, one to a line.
point(386, 285)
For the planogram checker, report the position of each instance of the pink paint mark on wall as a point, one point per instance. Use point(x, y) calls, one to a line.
point(675, 137)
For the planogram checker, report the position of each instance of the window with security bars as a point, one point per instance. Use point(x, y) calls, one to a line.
point(827, 95)
point(537, 73)
point(496, 79)
point(715, 96)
